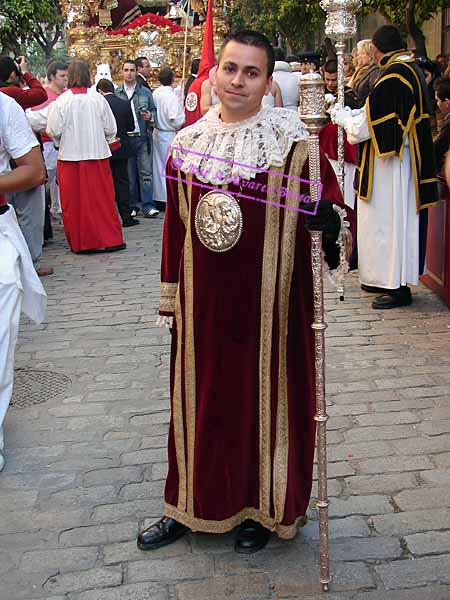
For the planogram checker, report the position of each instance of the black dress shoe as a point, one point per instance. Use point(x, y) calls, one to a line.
point(130, 222)
point(116, 248)
point(161, 534)
point(251, 537)
point(371, 289)
point(394, 299)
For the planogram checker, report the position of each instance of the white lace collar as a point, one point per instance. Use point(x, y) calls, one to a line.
point(218, 152)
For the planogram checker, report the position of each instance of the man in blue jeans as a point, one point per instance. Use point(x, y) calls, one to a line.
point(140, 163)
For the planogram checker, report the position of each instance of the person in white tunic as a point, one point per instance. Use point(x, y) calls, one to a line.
point(20, 287)
point(169, 119)
point(396, 173)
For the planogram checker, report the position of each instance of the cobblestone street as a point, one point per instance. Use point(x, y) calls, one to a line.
point(85, 470)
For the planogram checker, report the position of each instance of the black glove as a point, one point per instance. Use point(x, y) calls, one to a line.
point(326, 220)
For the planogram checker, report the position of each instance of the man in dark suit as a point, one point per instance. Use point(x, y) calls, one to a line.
point(143, 71)
point(119, 160)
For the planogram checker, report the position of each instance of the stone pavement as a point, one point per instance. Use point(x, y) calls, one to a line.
point(85, 471)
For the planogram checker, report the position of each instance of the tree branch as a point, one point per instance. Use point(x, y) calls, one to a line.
point(414, 30)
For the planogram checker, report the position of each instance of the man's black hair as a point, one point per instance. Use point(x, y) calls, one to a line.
point(442, 88)
point(129, 61)
point(388, 38)
point(195, 65)
point(7, 66)
point(165, 76)
point(331, 66)
point(54, 66)
point(252, 38)
point(139, 60)
point(105, 85)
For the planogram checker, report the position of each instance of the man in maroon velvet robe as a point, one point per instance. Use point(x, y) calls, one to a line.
point(238, 296)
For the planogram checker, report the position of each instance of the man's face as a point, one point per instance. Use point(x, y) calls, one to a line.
point(241, 80)
point(60, 79)
point(442, 61)
point(145, 69)
point(129, 73)
point(443, 105)
point(331, 81)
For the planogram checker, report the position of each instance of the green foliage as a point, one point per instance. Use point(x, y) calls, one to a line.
point(298, 21)
point(27, 20)
point(395, 10)
point(37, 59)
point(295, 21)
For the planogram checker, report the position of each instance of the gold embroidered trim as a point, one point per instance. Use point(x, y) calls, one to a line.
point(183, 206)
point(189, 356)
point(287, 256)
point(268, 283)
point(177, 408)
point(167, 296)
point(285, 532)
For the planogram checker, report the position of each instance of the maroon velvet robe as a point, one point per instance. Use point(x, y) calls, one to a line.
point(241, 440)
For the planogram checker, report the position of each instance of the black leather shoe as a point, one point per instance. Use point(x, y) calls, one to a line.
point(371, 289)
point(130, 222)
point(251, 537)
point(161, 534)
point(394, 299)
point(116, 248)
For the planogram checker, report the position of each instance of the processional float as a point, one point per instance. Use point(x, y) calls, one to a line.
point(340, 25)
point(162, 40)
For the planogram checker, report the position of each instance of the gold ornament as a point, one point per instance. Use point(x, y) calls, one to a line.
point(218, 221)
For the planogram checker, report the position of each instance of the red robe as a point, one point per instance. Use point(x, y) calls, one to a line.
point(241, 439)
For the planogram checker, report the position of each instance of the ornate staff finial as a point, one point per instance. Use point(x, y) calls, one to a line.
point(340, 26)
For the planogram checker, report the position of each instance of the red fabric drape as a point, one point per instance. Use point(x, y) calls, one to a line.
point(328, 138)
point(207, 62)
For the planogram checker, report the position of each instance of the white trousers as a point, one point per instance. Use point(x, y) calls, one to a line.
point(10, 305)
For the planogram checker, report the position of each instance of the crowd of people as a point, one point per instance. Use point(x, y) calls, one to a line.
point(240, 447)
point(103, 145)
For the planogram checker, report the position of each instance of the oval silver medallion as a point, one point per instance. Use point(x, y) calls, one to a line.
point(218, 221)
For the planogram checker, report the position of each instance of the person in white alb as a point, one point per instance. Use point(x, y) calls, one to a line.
point(287, 80)
point(20, 287)
point(169, 119)
point(83, 126)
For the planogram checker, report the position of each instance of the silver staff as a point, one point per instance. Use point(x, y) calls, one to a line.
point(340, 25)
point(312, 92)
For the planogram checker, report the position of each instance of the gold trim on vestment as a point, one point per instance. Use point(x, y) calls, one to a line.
point(287, 257)
point(189, 356)
point(167, 295)
point(206, 526)
point(268, 286)
point(183, 207)
point(373, 138)
point(177, 401)
point(394, 76)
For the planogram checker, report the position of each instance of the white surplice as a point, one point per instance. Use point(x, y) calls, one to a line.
point(169, 119)
point(388, 223)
